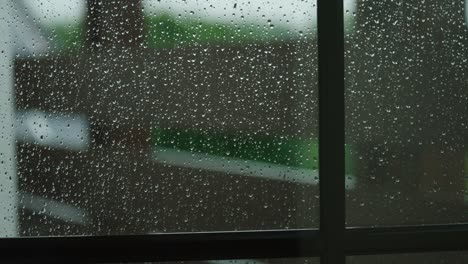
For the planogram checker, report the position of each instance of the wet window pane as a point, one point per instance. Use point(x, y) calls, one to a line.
point(49, 26)
point(427, 258)
point(407, 112)
point(142, 117)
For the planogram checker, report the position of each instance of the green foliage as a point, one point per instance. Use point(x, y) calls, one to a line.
point(67, 37)
point(288, 151)
point(164, 31)
point(273, 149)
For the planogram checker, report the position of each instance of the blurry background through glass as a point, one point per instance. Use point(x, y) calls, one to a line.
point(140, 117)
point(407, 112)
point(137, 117)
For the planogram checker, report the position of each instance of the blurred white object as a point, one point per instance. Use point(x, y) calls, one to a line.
point(61, 131)
point(54, 209)
point(56, 12)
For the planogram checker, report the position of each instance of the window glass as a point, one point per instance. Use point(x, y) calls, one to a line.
point(159, 116)
point(179, 23)
point(407, 112)
point(60, 22)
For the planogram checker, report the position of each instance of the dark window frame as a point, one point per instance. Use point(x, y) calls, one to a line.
point(332, 242)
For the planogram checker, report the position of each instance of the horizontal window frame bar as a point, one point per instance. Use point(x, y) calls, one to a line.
point(406, 239)
point(233, 245)
point(163, 246)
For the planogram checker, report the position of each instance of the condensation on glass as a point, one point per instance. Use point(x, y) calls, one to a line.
point(407, 113)
point(427, 258)
point(142, 117)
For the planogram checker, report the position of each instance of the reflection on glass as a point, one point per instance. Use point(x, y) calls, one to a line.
point(129, 117)
point(407, 112)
